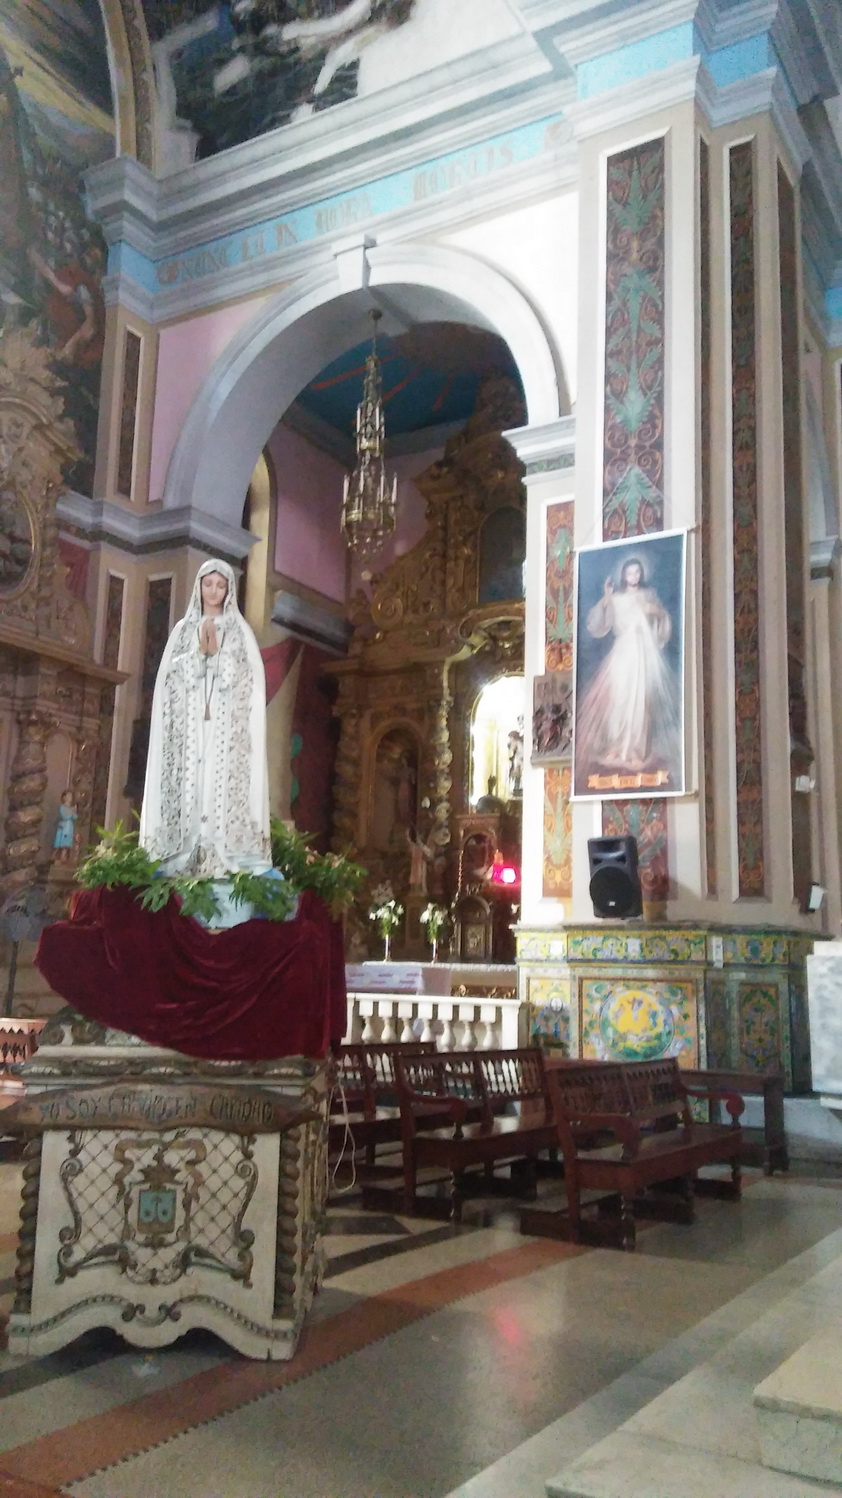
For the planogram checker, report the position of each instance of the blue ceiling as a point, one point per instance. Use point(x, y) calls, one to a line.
point(430, 376)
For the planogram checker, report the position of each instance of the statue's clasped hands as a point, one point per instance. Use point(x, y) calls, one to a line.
point(207, 637)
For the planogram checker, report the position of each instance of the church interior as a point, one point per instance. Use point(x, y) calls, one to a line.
point(487, 359)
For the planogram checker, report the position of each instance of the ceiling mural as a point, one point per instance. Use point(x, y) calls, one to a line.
point(55, 120)
point(228, 70)
point(431, 376)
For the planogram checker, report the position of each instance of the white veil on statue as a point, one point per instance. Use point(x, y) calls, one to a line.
point(206, 799)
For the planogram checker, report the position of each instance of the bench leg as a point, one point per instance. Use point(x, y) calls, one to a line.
point(409, 1183)
point(456, 1196)
point(627, 1227)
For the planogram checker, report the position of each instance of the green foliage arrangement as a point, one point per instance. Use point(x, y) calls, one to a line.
point(118, 859)
point(331, 875)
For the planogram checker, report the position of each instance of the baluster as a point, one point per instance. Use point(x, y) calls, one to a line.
point(407, 1032)
point(369, 1035)
point(467, 1013)
point(425, 1013)
point(447, 1041)
point(387, 1014)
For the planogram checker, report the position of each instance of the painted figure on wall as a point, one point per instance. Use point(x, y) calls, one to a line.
point(206, 798)
point(628, 702)
point(55, 121)
point(227, 72)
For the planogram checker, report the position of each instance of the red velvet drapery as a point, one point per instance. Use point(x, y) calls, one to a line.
point(262, 990)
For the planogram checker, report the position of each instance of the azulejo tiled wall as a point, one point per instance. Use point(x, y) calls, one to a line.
point(718, 997)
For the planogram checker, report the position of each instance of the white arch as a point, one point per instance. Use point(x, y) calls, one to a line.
point(288, 342)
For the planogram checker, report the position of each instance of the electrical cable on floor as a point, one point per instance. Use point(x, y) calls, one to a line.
point(347, 1138)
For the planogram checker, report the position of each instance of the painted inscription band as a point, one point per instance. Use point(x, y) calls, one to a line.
point(156, 1108)
point(344, 211)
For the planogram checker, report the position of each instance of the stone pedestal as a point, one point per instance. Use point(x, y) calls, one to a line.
point(163, 1193)
point(713, 996)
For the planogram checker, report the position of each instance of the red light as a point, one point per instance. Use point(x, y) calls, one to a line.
point(506, 873)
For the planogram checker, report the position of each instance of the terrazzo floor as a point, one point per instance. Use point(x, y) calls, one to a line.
point(457, 1363)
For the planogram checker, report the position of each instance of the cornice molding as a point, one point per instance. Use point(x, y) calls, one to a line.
point(824, 557)
point(547, 447)
point(634, 101)
point(158, 530)
point(308, 622)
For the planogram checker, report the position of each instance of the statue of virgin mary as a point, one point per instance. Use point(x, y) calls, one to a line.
point(206, 799)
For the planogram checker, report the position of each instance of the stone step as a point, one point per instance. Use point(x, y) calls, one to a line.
point(799, 1410)
point(703, 1435)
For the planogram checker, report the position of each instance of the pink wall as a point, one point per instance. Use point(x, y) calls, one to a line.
point(187, 352)
point(308, 546)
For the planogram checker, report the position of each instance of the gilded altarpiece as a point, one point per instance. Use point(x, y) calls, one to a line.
point(430, 632)
point(50, 686)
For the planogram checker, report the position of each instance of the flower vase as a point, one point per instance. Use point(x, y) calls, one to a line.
point(387, 945)
point(435, 946)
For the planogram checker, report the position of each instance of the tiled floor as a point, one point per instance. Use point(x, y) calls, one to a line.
point(470, 1362)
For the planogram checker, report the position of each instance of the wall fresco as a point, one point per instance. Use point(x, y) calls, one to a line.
point(749, 742)
point(55, 120)
point(230, 71)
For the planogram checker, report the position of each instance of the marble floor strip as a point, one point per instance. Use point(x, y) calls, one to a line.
point(69, 1455)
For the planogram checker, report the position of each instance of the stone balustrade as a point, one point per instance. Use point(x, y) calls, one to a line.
point(455, 1023)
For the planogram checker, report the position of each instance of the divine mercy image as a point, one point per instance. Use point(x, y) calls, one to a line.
point(628, 717)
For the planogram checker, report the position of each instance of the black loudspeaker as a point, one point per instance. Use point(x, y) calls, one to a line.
point(615, 882)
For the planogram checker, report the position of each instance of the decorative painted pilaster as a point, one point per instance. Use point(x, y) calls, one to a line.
point(801, 753)
point(748, 716)
point(706, 499)
point(633, 433)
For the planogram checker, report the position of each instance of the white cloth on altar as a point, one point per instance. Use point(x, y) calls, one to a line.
point(206, 797)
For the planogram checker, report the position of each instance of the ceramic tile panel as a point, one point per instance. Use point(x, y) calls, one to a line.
point(639, 1019)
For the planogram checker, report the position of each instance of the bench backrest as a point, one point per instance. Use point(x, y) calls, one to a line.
point(512, 1076)
point(651, 1092)
point(656, 1092)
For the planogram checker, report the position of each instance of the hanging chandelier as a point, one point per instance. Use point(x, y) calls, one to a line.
point(369, 504)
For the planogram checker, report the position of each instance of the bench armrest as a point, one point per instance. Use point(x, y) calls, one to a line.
point(732, 1100)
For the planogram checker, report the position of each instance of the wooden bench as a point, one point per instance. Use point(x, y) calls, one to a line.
point(623, 1128)
point(368, 1089)
point(765, 1146)
point(489, 1085)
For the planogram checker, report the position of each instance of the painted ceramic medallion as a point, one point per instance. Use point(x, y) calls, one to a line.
point(635, 1024)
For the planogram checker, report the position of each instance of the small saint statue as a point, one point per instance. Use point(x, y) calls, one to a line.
point(64, 841)
point(206, 799)
point(420, 857)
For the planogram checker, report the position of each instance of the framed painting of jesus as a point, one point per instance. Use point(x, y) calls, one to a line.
point(628, 732)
